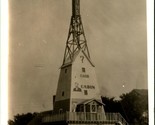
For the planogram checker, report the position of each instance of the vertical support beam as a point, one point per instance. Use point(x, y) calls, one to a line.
point(75, 8)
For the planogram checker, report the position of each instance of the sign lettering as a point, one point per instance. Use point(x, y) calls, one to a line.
point(87, 87)
point(84, 75)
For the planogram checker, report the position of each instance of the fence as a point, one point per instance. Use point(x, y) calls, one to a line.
point(84, 116)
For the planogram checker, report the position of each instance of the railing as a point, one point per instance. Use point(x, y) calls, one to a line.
point(54, 117)
point(84, 116)
point(117, 117)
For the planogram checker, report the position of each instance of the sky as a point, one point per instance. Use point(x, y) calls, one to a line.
point(38, 29)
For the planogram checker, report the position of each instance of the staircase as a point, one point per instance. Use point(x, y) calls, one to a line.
point(116, 117)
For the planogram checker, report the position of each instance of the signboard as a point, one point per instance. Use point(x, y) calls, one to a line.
point(78, 88)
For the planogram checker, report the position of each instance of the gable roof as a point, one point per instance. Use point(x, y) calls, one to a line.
point(90, 100)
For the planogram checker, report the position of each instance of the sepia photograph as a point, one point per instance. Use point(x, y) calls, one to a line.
point(77, 62)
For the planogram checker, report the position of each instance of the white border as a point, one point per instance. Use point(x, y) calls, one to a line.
point(150, 55)
point(4, 62)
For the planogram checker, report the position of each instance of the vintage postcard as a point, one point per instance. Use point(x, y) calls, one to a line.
point(77, 62)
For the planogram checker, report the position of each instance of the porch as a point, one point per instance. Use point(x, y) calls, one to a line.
point(85, 118)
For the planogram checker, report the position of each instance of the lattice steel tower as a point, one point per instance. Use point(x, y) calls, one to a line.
point(76, 37)
point(77, 80)
point(77, 100)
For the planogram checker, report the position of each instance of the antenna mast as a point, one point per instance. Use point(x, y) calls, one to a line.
point(76, 40)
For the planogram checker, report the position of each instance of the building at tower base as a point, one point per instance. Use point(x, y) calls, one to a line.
point(74, 118)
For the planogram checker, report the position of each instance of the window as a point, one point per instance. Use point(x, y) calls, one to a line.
point(81, 108)
point(99, 108)
point(83, 70)
point(65, 70)
point(93, 108)
point(87, 108)
point(63, 93)
point(85, 92)
point(78, 108)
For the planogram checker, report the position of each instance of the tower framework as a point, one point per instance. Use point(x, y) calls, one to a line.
point(78, 100)
point(76, 40)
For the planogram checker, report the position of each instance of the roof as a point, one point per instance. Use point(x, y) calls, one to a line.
point(90, 100)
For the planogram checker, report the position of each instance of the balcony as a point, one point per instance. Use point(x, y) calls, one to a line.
point(85, 117)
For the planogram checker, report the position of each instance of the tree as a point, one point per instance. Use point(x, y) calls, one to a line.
point(11, 122)
point(112, 105)
point(22, 119)
point(135, 104)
